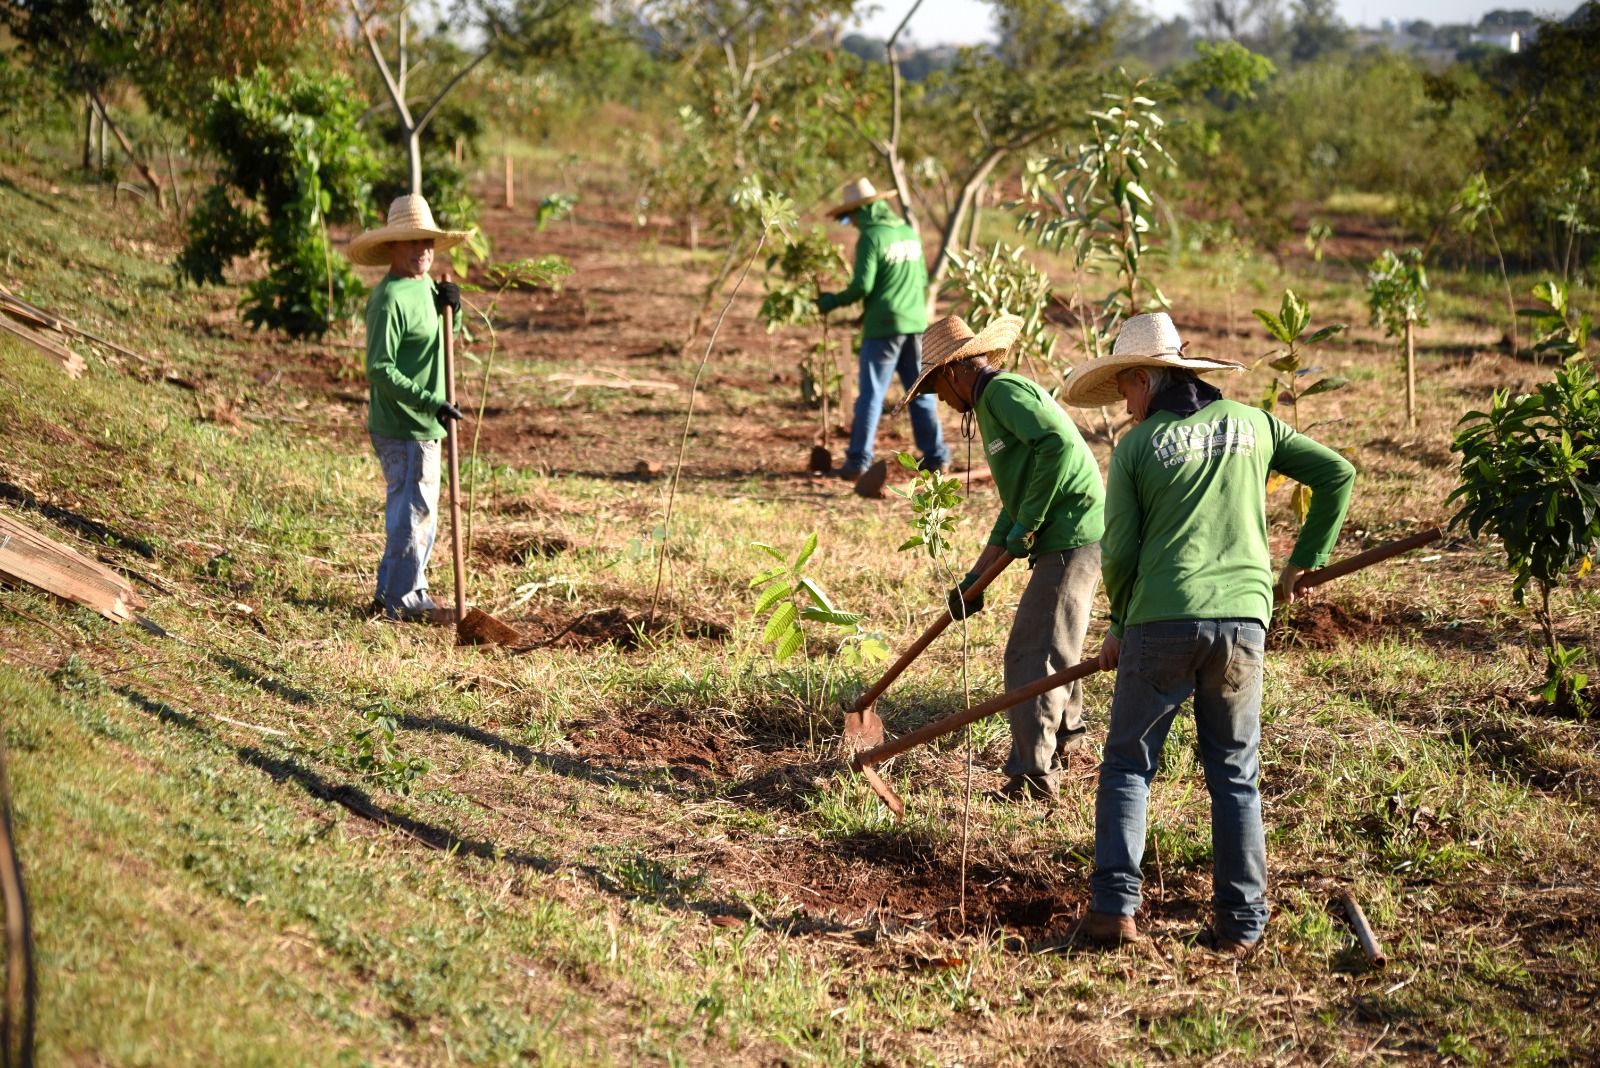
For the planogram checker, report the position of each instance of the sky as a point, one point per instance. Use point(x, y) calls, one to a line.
point(967, 21)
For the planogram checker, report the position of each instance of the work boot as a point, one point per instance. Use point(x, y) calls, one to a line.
point(1020, 788)
point(1226, 947)
point(872, 480)
point(1107, 929)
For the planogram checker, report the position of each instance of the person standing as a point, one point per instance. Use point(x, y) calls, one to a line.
point(407, 408)
point(1187, 573)
point(1051, 514)
point(891, 281)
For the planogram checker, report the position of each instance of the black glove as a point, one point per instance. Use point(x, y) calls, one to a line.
point(960, 608)
point(447, 295)
point(449, 413)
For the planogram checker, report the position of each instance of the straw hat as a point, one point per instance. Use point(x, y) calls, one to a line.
point(409, 220)
point(950, 340)
point(855, 194)
point(1148, 340)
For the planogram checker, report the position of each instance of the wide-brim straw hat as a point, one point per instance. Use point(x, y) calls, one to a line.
point(410, 219)
point(1148, 340)
point(855, 194)
point(951, 340)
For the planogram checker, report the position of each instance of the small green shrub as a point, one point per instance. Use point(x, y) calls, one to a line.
point(1530, 474)
point(1288, 327)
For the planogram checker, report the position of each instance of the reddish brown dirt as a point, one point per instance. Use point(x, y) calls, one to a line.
point(615, 626)
point(1322, 625)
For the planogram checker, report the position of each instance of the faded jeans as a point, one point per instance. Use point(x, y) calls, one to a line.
point(410, 519)
point(881, 357)
point(1047, 636)
point(1220, 662)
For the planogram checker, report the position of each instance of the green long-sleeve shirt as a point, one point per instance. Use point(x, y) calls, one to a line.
point(890, 275)
point(405, 360)
point(1046, 475)
point(1186, 516)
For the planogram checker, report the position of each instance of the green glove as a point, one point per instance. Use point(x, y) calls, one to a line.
point(1019, 542)
point(826, 302)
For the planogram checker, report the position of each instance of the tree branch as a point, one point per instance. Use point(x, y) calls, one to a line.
point(396, 95)
point(451, 84)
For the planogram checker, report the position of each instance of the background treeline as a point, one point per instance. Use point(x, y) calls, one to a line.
point(1276, 114)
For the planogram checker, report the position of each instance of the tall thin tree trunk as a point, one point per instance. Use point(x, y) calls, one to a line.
point(414, 157)
point(709, 297)
point(88, 133)
point(145, 170)
point(1505, 277)
point(1411, 375)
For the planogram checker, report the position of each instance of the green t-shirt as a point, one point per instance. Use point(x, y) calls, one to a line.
point(1186, 513)
point(405, 360)
point(1046, 475)
point(890, 275)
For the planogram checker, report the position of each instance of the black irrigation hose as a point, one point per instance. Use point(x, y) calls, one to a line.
point(21, 990)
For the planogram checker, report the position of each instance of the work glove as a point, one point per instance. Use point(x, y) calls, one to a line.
point(447, 295)
point(960, 608)
point(826, 302)
point(449, 413)
point(1019, 542)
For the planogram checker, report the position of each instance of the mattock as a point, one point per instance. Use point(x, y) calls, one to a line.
point(866, 761)
point(863, 729)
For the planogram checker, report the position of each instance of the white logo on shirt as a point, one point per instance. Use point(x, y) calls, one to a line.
point(1182, 443)
point(995, 446)
point(903, 251)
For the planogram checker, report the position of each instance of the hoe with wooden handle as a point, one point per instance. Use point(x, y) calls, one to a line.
point(473, 625)
point(863, 729)
point(866, 760)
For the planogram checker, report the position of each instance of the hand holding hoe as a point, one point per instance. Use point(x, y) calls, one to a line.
point(862, 727)
point(473, 625)
point(864, 761)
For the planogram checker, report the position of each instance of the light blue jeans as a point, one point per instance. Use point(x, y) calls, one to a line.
point(881, 357)
point(1219, 661)
point(410, 519)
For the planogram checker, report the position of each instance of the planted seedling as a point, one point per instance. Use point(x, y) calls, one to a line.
point(1001, 283)
point(1530, 475)
point(1558, 330)
point(1293, 381)
point(789, 599)
point(808, 262)
point(1397, 294)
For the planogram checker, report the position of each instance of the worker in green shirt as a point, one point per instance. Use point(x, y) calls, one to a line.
point(1188, 576)
point(891, 281)
point(407, 407)
point(1051, 514)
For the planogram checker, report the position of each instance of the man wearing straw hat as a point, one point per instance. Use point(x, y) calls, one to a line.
point(891, 280)
point(1188, 575)
point(1051, 514)
point(407, 409)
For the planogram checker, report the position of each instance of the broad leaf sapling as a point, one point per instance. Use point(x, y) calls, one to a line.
point(1397, 295)
point(1292, 382)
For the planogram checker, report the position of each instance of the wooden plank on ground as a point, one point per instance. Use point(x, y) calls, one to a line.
point(70, 361)
point(31, 557)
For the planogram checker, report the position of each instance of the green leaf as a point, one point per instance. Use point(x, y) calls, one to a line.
point(1326, 385)
point(769, 575)
point(907, 461)
point(1324, 333)
point(818, 598)
point(805, 552)
point(789, 644)
point(1273, 325)
point(770, 551)
point(772, 595)
point(780, 622)
point(911, 543)
point(837, 619)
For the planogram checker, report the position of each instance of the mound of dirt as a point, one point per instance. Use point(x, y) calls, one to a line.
point(626, 630)
point(1322, 625)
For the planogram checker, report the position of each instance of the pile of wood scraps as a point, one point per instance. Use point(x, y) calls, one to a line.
point(30, 557)
point(29, 323)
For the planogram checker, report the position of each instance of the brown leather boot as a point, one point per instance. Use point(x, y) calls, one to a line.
point(1107, 929)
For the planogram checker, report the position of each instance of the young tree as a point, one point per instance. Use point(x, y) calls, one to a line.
point(1530, 475)
point(1288, 328)
point(1397, 294)
point(293, 159)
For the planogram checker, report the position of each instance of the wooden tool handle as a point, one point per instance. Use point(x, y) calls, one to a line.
point(913, 651)
point(458, 563)
point(956, 720)
point(1366, 559)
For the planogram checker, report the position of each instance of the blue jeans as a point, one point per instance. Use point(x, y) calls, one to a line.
point(1220, 662)
point(881, 357)
point(410, 518)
